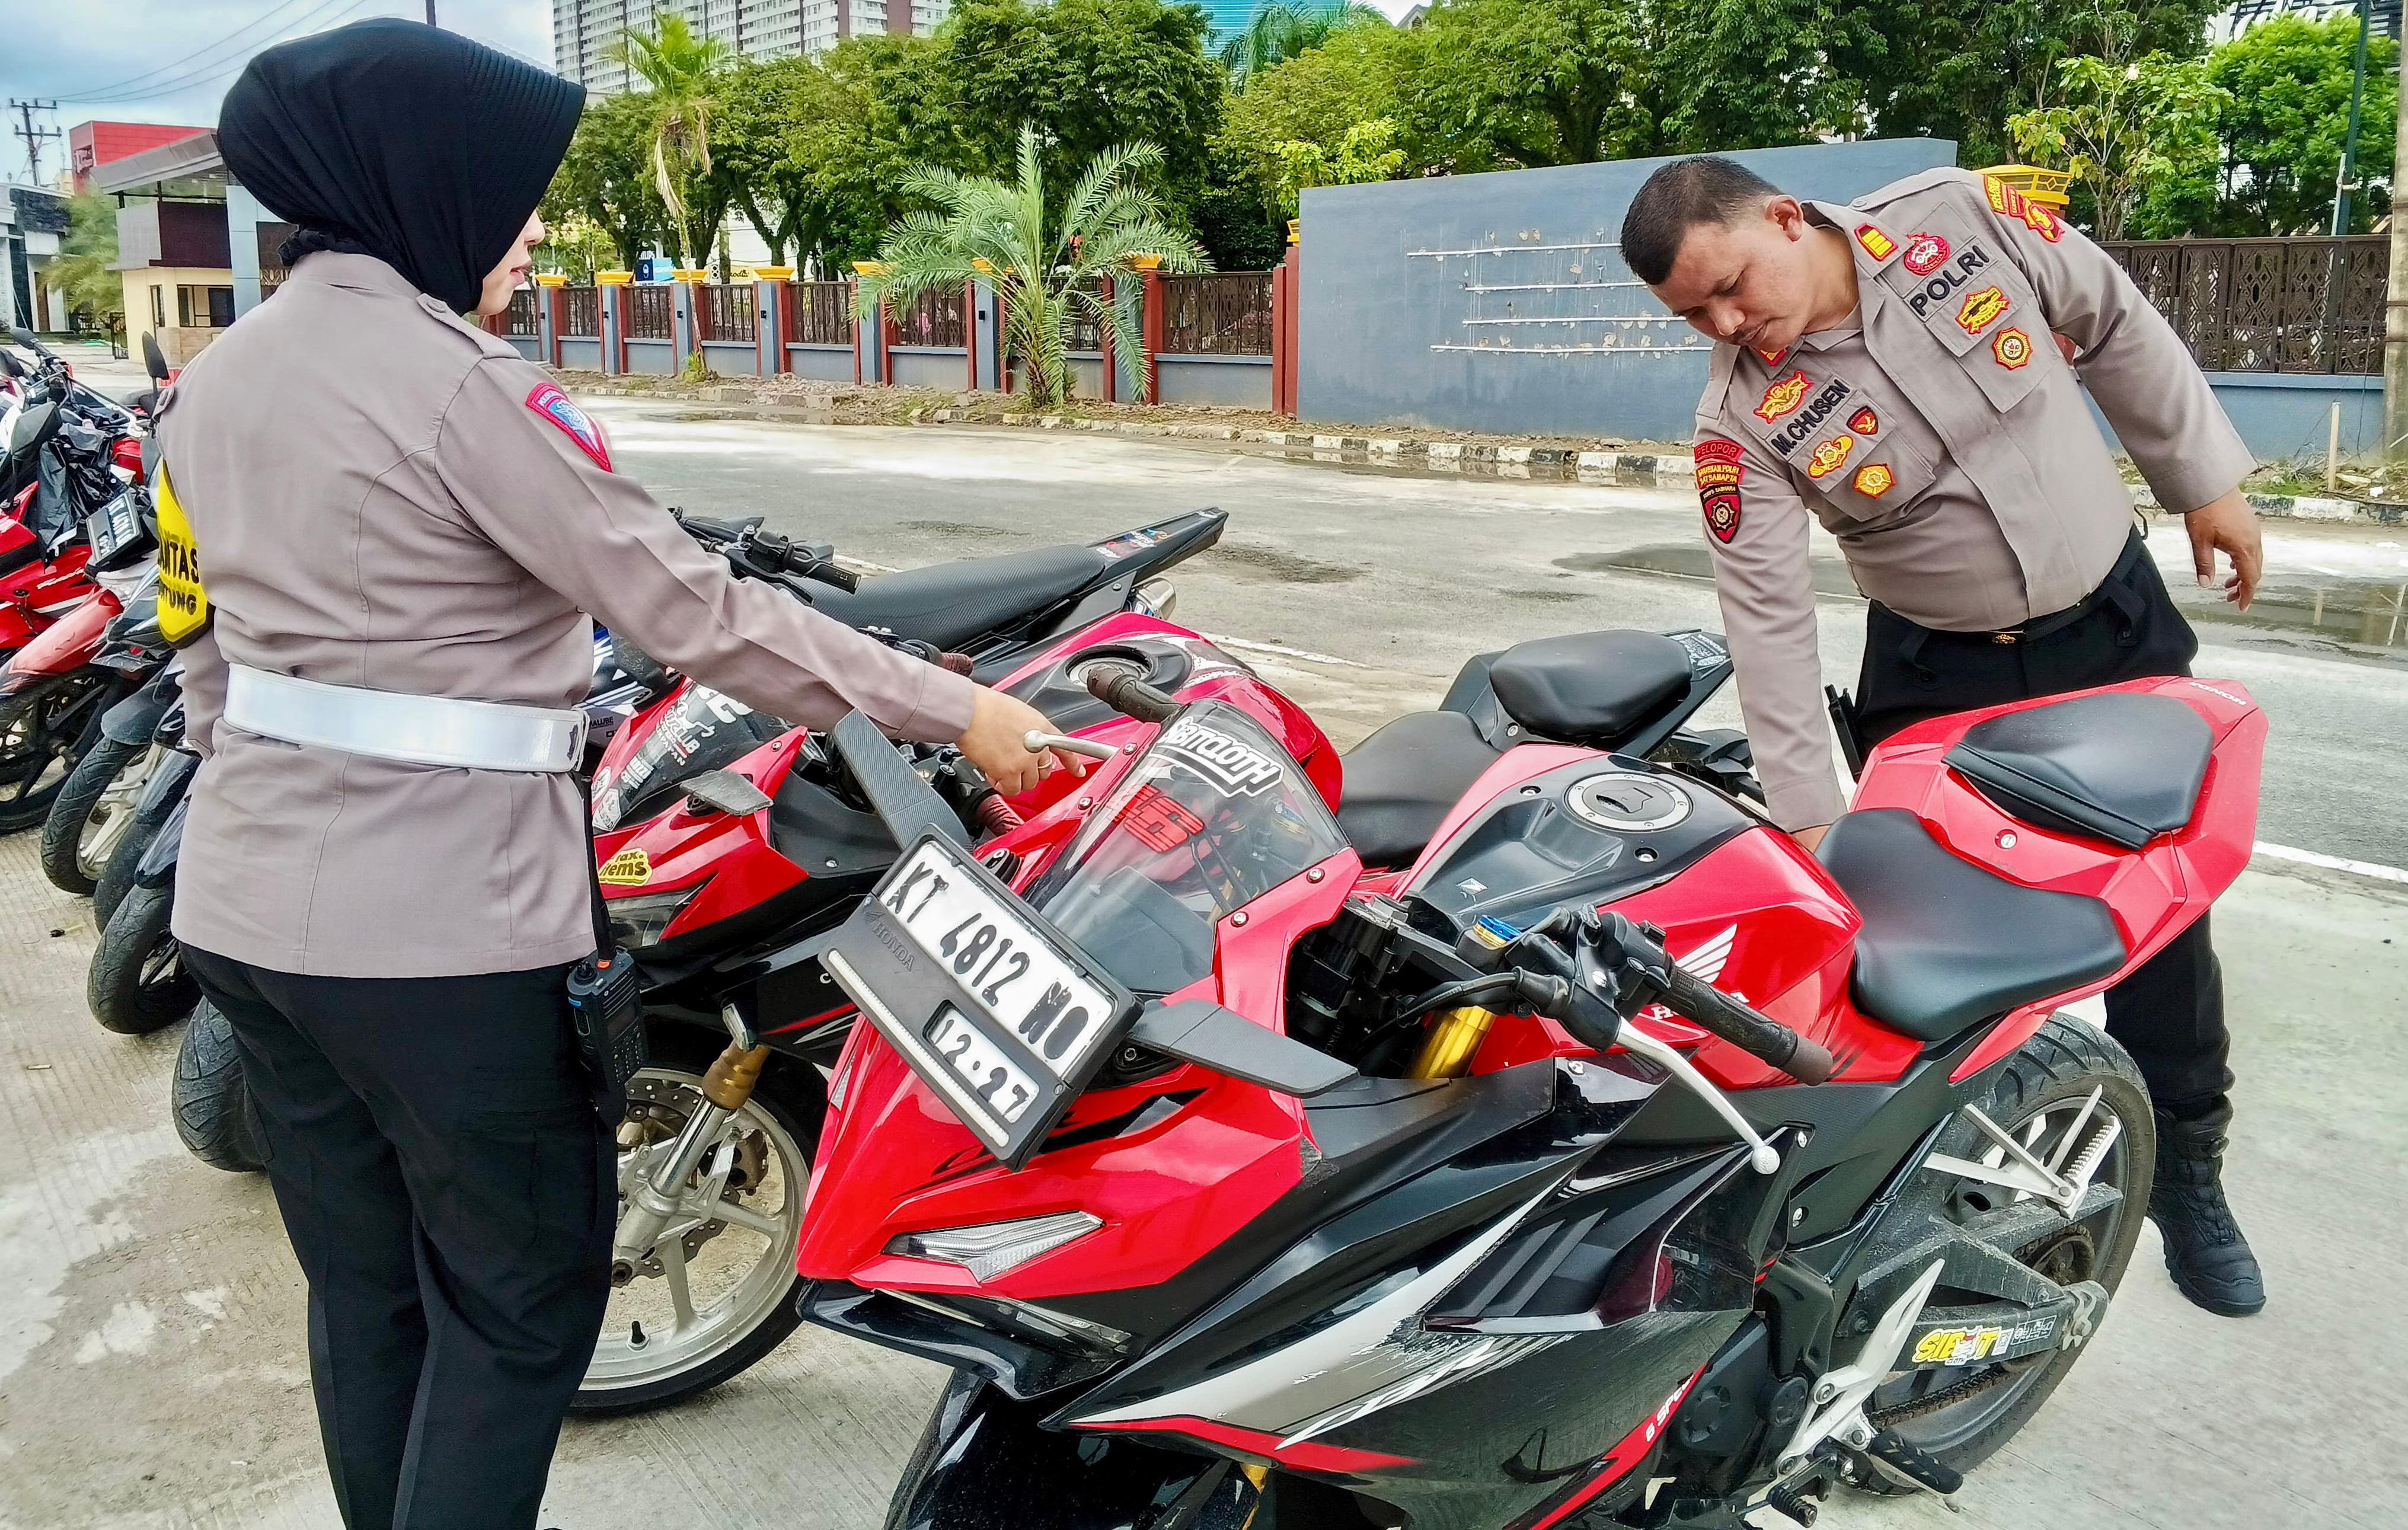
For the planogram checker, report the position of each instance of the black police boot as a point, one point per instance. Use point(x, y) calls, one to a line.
point(2205, 1252)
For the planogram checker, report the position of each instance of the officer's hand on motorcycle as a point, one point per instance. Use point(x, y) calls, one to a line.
point(997, 743)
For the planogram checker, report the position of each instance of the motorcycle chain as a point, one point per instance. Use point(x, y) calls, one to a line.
point(2074, 1240)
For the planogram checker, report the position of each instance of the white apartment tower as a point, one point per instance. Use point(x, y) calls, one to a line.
point(584, 30)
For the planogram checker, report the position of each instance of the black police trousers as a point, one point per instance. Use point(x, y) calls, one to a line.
point(2170, 1013)
point(451, 1194)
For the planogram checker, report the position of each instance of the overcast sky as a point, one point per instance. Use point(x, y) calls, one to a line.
point(110, 60)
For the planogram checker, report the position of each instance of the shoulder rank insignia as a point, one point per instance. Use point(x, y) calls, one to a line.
point(1772, 358)
point(1864, 422)
point(2041, 221)
point(1981, 309)
point(2012, 348)
point(1718, 471)
point(1873, 480)
point(1924, 253)
point(1783, 396)
point(553, 405)
point(1828, 455)
point(1880, 246)
point(2004, 199)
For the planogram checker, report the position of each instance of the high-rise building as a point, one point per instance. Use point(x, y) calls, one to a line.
point(583, 31)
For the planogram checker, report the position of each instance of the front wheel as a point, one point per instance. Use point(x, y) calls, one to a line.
point(94, 811)
point(43, 732)
point(717, 1290)
point(138, 982)
point(2042, 1094)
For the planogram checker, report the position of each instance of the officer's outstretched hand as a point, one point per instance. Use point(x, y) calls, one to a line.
point(2231, 525)
point(996, 743)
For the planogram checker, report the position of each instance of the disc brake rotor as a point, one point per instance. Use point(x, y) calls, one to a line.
point(658, 1109)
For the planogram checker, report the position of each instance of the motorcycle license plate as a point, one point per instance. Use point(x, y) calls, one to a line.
point(993, 1008)
point(113, 529)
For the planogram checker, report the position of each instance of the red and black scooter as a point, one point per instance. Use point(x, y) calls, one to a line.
point(1606, 1159)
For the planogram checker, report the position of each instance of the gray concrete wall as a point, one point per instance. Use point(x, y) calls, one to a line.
point(527, 344)
point(2285, 417)
point(1087, 374)
point(826, 363)
point(931, 367)
point(1500, 303)
point(244, 214)
point(580, 355)
point(732, 358)
point(653, 358)
point(1242, 383)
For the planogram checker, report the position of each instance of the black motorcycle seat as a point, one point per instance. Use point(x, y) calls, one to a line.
point(2121, 767)
point(1593, 688)
point(1400, 782)
point(949, 604)
point(1947, 942)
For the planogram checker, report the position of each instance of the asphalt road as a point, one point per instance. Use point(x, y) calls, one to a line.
point(1402, 576)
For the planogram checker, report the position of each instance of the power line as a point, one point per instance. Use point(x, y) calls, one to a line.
point(109, 91)
point(230, 66)
point(31, 135)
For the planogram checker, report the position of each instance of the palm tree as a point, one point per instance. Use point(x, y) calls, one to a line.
point(680, 68)
point(1282, 29)
point(1046, 270)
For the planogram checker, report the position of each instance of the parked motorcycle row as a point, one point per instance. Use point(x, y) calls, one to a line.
point(1501, 1125)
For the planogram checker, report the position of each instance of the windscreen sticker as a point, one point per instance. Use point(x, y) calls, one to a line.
point(1160, 822)
point(1232, 765)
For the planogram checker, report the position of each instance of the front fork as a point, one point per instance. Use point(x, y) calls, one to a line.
point(653, 1201)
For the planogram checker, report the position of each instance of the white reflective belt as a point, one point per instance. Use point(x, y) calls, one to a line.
point(413, 730)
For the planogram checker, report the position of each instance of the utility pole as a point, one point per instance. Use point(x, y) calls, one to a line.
point(31, 135)
point(2346, 182)
point(2394, 315)
point(430, 13)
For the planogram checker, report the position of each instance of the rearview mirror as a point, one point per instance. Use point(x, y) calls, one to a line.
point(725, 791)
point(1201, 1032)
point(153, 359)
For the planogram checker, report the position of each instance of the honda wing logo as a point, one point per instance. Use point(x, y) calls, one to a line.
point(1705, 964)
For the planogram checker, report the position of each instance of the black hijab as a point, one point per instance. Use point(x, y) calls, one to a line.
point(404, 142)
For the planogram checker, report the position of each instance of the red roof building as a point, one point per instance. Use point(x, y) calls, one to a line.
point(93, 144)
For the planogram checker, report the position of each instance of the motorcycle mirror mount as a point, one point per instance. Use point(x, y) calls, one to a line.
point(1201, 1032)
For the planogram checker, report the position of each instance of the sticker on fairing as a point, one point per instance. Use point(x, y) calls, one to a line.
point(1232, 766)
point(629, 868)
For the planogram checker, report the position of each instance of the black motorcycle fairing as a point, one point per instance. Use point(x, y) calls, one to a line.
point(166, 848)
point(135, 720)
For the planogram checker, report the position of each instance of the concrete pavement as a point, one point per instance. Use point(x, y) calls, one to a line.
point(152, 1371)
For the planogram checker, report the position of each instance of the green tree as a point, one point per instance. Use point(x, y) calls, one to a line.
point(1533, 82)
point(2287, 82)
point(1366, 153)
point(1958, 69)
point(1317, 97)
point(1044, 263)
point(1286, 29)
point(2126, 127)
point(83, 270)
point(607, 177)
point(681, 70)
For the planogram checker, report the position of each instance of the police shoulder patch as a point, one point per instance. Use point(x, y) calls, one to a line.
point(1880, 246)
point(547, 401)
point(1718, 474)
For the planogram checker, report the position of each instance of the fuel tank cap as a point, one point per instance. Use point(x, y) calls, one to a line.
point(1627, 802)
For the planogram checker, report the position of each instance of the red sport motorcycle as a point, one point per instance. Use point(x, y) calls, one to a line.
point(1611, 1160)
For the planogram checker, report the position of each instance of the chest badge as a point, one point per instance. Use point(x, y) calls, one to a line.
point(1828, 455)
point(1925, 252)
point(1880, 246)
point(2041, 221)
point(1718, 471)
point(1864, 422)
point(1783, 397)
point(560, 409)
point(1981, 309)
point(1874, 479)
point(2012, 348)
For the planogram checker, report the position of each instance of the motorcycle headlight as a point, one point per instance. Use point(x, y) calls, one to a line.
point(636, 922)
point(992, 1248)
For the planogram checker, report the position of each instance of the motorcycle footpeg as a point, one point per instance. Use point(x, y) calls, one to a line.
point(1914, 1462)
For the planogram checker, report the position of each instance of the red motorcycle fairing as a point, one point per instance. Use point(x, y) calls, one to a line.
point(67, 645)
point(34, 595)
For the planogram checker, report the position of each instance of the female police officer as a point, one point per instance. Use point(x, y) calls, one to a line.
point(385, 877)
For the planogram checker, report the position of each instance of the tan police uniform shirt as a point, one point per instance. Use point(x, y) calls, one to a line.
point(1943, 438)
point(384, 496)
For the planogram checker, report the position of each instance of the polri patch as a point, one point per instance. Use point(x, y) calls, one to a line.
point(558, 407)
point(1718, 473)
point(1864, 422)
point(1880, 246)
point(1783, 397)
point(2012, 348)
point(1828, 455)
point(1874, 479)
point(1924, 253)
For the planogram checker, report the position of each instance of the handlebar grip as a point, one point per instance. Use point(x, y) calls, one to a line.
point(1757, 1034)
point(1126, 692)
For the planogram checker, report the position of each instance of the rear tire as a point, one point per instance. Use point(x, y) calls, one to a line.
point(139, 983)
point(2053, 1071)
point(212, 1109)
point(117, 876)
point(72, 820)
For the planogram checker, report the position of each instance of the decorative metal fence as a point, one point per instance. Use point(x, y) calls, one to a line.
point(1085, 330)
point(935, 318)
point(583, 317)
point(2311, 304)
point(727, 313)
point(519, 319)
point(1224, 314)
point(819, 314)
point(648, 313)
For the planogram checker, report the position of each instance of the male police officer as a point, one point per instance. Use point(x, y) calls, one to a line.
point(1894, 368)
